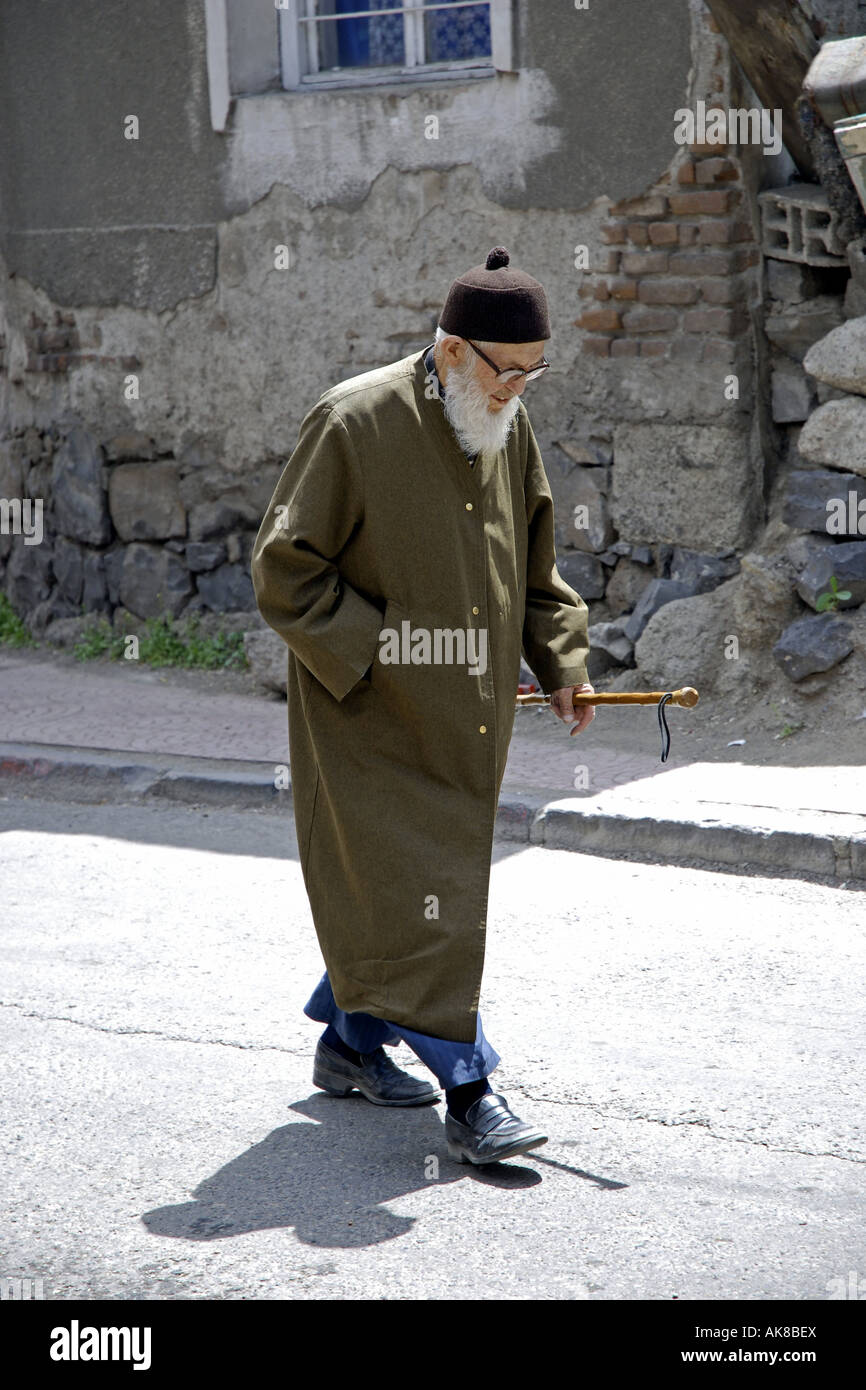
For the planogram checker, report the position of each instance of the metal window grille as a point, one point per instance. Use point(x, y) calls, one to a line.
point(321, 39)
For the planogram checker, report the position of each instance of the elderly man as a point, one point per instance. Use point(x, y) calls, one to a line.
point(406, 557)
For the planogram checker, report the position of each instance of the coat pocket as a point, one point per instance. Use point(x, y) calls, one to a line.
point(306, 679)
point(391, 619)
point(364, 683)
point(420, 688)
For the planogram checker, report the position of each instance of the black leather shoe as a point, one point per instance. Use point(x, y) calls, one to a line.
point(377, 1078)
point(491, 1132)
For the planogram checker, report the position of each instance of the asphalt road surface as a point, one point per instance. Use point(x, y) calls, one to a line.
point(692, 1042)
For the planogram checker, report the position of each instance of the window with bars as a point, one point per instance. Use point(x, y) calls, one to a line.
point(346, 42)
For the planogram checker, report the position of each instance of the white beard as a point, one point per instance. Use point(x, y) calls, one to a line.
point(478, 428)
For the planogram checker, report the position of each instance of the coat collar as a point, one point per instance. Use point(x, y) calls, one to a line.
point(430, 367)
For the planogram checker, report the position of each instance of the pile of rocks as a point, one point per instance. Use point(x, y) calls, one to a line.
point(826, 502)
point(653, 577)
point(803, 303)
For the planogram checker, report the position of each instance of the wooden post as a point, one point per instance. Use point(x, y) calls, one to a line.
point(774, 43)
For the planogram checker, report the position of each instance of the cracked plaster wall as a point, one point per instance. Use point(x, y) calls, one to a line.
point(158, 254)
point(162, 247)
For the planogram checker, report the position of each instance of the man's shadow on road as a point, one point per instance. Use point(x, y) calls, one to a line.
point(328, 1179)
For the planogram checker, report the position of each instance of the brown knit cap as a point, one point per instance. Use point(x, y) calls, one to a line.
point(496, 304)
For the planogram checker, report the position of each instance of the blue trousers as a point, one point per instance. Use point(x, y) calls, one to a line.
point(452, 1063)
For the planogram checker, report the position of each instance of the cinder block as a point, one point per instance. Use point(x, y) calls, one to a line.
point(797, 224)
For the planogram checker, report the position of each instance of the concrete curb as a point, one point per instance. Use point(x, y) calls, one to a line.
point(761, 839)
point(754, 838)
point(104, 774)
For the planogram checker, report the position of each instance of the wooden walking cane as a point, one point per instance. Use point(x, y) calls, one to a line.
point(687, 696)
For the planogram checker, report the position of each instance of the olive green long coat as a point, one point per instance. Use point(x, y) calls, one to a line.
point(379, 521)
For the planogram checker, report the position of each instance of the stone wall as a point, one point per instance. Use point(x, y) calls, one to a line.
point(125, 528)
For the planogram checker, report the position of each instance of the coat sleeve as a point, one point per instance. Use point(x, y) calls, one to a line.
point(556, 621)
point(317, 504)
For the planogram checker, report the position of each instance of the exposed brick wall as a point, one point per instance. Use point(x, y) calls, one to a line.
point(56, 346)
point(672, 280)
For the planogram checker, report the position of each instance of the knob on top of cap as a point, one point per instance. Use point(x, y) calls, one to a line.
point(497, 258)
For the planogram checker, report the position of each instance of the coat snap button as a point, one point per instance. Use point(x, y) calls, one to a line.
point(469, 506)
point(483, 729)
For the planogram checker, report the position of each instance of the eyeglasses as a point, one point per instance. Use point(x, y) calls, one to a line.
point(511, 373)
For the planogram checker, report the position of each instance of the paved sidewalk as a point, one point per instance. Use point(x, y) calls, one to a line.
point(96, 732)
